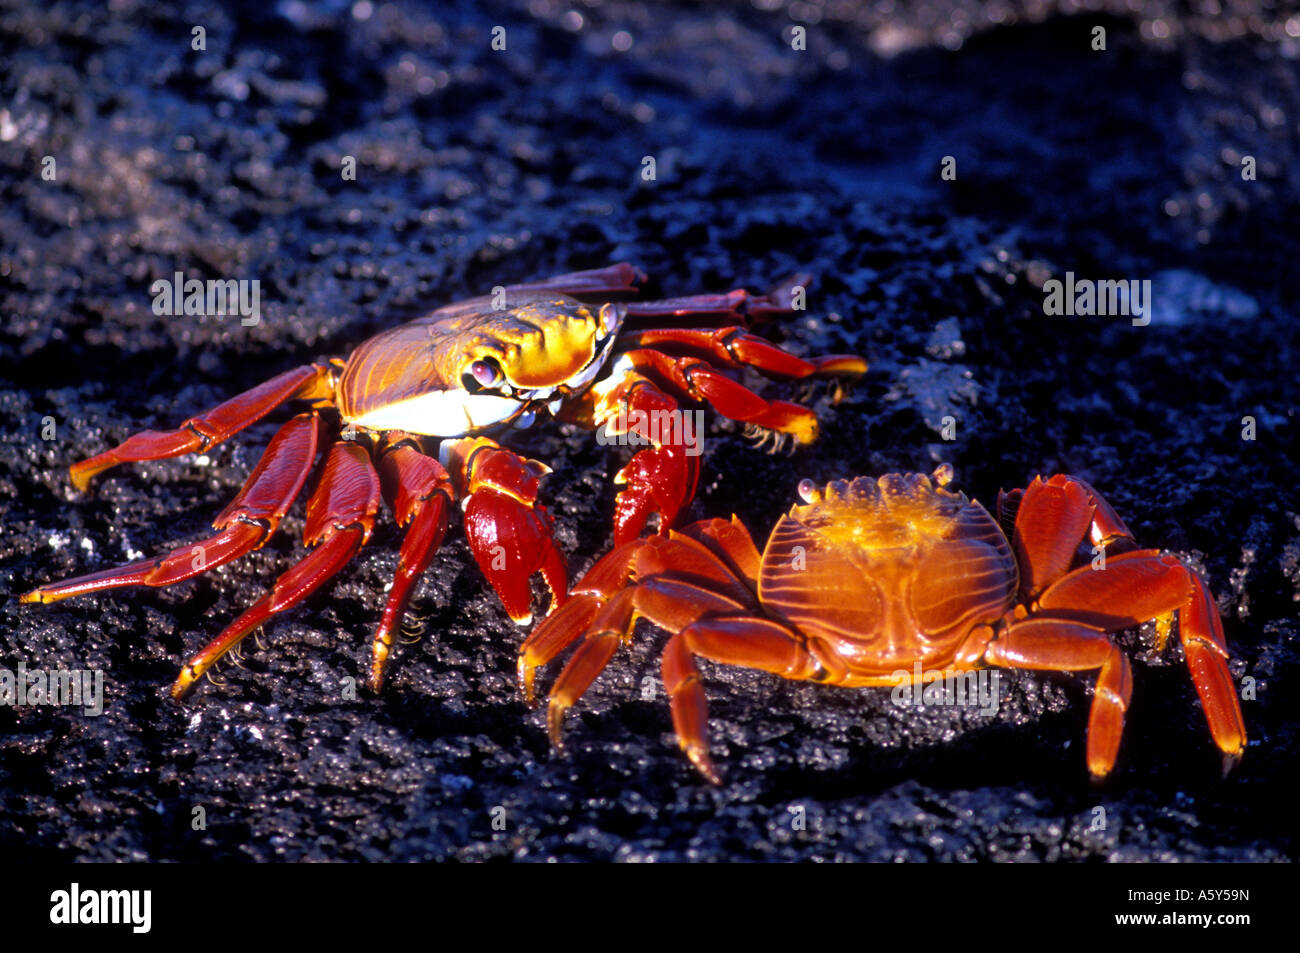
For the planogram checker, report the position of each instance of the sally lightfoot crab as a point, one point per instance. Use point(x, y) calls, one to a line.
point(560, 347)
point(870, 576)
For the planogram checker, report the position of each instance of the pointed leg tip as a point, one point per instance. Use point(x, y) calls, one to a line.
point(80, 476)
point(524, 674)
point(555, 725)
point(185, 681)
point(1230, 761)
point(703, 764)
point(1099, 774)
point(806, 434)
point(378, 673)
point(32, 596)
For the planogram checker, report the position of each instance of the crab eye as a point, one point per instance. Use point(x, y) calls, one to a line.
point(482, 374)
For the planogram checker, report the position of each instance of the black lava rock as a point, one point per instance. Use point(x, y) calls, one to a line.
point(126, 155)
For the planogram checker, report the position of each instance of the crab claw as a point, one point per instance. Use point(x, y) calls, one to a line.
point(509, 533)
point(661, 480)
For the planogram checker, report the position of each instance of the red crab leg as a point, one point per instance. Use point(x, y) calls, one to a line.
point(696, 379)
point(1067, 647)
point(1201, 632)
point(419, 491)
point(750, 642)
point(734, 347)
point(568, 623)
point(508, 531)
point(695, 580)
point(669, 603)
point(1133, 588)
point(1138, 586)
point(1143, 585)
point(737, 304)
point(684, 555)
point(340, 516)
point(246, 524)
point(597, 285)
point(703, 551)
point(610, 625)
point(621, 278)
point(209, 429)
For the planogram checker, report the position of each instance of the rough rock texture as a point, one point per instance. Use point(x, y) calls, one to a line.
point(478, 167)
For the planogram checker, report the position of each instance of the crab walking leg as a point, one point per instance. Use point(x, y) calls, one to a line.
point(611, 625)
point(731, 305)
point(1201, 631)
point(749, 642)
point(1142, 585)
point(670, 604)
point(621, 278)
point(709, 551)
point(1068, 647)
point(698, 380)
point(420, 493)
point(246, 524)
point(1134, 588)
point(340, 516)
point(734, 347)
point(312, 381)
point(571, 621)
point(508, 531)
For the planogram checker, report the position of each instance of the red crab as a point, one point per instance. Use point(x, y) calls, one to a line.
point(449, 379)
point(870, 577)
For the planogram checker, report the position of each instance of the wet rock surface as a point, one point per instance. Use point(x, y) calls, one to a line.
point(478, 167)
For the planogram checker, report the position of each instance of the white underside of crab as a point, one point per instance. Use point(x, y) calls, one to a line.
point(442, 413)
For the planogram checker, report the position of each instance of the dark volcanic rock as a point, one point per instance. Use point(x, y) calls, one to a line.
point(478, 167)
